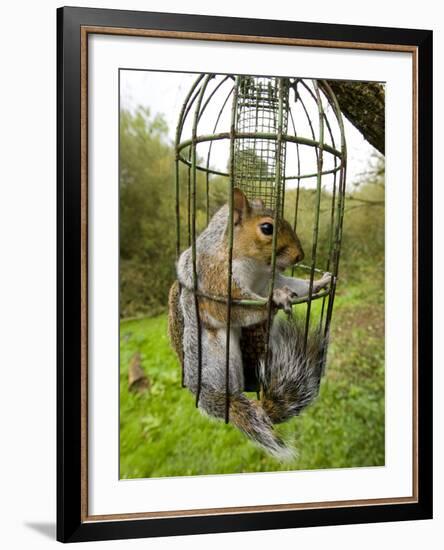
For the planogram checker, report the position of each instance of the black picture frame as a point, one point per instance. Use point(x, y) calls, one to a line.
point(73, 523)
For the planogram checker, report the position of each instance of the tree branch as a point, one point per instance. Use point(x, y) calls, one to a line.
point(363, 103)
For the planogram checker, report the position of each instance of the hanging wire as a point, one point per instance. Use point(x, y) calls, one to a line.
point(179, 130)
point(320, 158)
point(207, 173)
point(296, 203)
point(193, 237)
point(332, 209)
point(341, 204)
point(278, 187)
point(230, 249)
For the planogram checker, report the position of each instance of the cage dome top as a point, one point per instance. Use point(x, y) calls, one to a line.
point(283, 132)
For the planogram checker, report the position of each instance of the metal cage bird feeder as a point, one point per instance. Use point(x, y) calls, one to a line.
point(282, 137)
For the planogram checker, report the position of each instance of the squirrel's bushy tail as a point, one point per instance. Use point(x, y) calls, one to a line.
point(291, 380)
point(289, 383)
point(249, 417)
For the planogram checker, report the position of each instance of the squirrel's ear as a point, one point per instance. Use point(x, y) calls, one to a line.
point(241, 206)
point(258, 204)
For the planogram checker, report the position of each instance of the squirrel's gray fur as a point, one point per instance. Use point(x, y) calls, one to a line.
point(291, 379)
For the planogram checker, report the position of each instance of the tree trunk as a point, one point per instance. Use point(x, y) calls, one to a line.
point(363, 103)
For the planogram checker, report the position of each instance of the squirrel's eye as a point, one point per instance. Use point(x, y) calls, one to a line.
point(267, 228)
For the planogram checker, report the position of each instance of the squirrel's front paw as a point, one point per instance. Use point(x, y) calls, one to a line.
point(324, 282)
point(284, 298)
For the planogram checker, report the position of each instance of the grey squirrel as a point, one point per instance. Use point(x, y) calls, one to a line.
point(291, 380)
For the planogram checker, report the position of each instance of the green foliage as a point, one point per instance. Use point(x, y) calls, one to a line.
point(163, 434)
point(147, 219)
point(363, 244)
point(363, 228)
point(146, 224)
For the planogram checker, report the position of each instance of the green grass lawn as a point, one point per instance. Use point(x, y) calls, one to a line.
point(163, 434)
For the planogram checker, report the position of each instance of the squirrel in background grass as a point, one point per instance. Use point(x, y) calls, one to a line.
point(291, 380)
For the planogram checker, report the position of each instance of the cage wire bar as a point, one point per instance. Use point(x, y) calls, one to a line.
point(263, 122)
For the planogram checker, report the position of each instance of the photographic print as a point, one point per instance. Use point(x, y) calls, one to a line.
point(252, 238)
point(244, 336)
